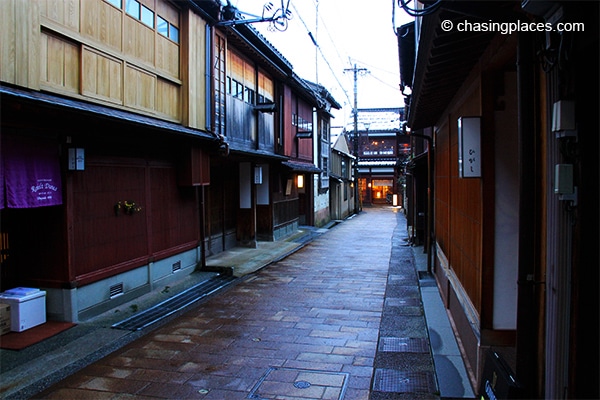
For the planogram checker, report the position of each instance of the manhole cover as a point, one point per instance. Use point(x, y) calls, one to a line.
point(301, 384)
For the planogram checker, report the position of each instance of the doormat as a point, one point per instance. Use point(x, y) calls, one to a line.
point(31, 336)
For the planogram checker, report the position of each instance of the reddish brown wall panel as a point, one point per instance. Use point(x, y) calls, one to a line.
point(289, 132)
point(194, 167)
point(173, 212)
point(102, 237)
point(107, 238)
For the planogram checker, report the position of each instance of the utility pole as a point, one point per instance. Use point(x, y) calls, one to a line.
point(316, 47)
point(356, 71)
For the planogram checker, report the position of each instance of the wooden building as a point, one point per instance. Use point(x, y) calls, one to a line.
point(322, 152)
point(138, 137)
point(380, 147)
point(341, 200)
point(264, 189)
point(512, 124)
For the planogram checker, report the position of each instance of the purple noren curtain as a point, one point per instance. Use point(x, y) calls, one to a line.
point(30, 172)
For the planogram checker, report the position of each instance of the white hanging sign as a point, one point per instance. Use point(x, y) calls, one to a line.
point(469, 147)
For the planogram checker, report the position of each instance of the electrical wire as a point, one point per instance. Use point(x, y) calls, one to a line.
point(394, 17)
point(386, 84)
point(335, 48)
point(360, 62)
point(419, 12)
point(354, 60)
point(334, 74)
point(321, 52)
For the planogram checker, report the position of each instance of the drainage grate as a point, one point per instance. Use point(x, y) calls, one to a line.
point(174, 304)
point(394, 381)
point(403, 345)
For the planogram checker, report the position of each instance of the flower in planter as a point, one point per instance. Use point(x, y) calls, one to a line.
point(127, 207)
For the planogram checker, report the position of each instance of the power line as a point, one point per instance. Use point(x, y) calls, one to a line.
point(386, 83)
point(375, 67)
point(321, 52)
point(331, 39)
point(334, 74)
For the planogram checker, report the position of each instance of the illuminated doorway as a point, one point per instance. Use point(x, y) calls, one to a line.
point(382, 190)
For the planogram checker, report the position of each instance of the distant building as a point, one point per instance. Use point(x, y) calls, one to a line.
point(341, 186)
point(378, 145)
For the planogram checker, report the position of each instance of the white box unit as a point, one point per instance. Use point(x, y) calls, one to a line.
point(27, 307)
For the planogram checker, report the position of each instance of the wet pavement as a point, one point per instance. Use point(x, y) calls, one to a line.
point(341, 316)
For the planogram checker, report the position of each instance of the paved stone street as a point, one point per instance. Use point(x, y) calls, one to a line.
point(306, 327)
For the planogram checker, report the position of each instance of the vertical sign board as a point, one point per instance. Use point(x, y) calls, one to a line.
point(469, 147)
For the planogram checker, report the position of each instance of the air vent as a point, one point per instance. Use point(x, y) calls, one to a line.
point(116, 290)
point(176, 266)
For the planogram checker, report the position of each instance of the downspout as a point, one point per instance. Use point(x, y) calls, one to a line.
point(200, 200)
point(526, 368)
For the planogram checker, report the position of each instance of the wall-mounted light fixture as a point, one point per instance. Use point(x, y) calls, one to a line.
point(563, 183)
point(76, 159)
point(258, 175)
point(300, 181)
point(563, 118)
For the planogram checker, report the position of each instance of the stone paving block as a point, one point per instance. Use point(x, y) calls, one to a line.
point(114, 385)
point(70, 393)
point(313, 318)
point(402, 302)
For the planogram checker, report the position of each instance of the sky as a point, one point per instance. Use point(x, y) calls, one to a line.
point(349, 33)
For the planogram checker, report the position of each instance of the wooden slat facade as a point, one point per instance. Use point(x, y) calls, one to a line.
point(134, 91)
point(458, 204)
point(92, 50)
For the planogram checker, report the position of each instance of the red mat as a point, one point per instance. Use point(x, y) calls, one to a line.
point(21, 340)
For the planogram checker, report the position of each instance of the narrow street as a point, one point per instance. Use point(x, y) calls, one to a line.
point(307, 327)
